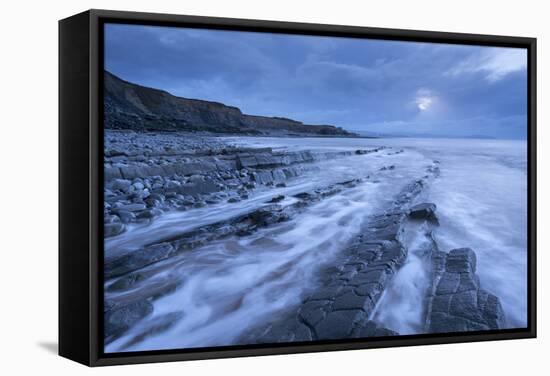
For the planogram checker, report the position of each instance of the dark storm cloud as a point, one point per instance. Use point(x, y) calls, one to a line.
point(379, 86)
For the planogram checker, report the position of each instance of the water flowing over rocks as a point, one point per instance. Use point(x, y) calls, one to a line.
point(241, 225)
point(423, 211)
point(149, 175)
point(352, 285)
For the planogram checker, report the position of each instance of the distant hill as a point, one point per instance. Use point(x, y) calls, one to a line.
point(131, 106)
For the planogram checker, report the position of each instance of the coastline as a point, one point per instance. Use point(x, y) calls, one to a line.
point(258, 188)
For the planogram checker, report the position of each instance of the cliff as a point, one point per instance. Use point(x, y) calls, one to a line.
point(131, 106)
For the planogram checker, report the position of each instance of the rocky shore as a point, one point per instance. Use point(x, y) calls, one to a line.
point(146, 174)
point(150, 174)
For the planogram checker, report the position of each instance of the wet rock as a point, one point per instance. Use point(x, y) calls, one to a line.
point(278, 176)
point(353, 283)
point(138, 259)
point(458, 302)
point(110, 173)
point(423, 211)
point(121, 184)
point(267, 160)
point(130, 208)
point(131, 171)
point(339, 324)
point(112, 229)
point(142, 194)
point(193, 168)
point(199, 188)
point(111, 219)
point(138, 186)
point(349, 300)
point(189, 200)
point(290, 172)
point(371, 329)
point(119, 320)
point(157, 197)
point(213, 200)
point(149, 213)
point(245, 161)
point(199, 204)
point(277, 198)
point(305, 195)
point(262, 177)
point(391, 232)
point(268, 215)
point(288, 330)
point(371, 289)
point(461, 260)
point(157, 325)
point(226, 165)
point(313, 312)
point(172, 186)
point(126, 216)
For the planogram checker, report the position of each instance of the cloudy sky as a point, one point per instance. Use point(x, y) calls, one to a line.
point(399, 88)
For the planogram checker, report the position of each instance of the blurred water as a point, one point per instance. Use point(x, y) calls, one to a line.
point(235, 284)
point(401, 307)
point(481, 196)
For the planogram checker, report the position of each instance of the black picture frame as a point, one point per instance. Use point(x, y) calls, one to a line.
point(81, 180)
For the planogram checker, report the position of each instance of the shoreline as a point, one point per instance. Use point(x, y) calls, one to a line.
point(259, 187)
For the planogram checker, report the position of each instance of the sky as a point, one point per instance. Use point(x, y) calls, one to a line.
point(383, 87)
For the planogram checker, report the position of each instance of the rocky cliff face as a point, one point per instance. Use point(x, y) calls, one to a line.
point(130, 106)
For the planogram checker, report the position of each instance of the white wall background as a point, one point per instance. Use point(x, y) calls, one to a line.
point(28, 185)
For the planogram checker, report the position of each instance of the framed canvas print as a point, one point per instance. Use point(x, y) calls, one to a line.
point(239, 187)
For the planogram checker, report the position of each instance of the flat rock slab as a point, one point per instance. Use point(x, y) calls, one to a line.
point(458, 303)
point(351, 286)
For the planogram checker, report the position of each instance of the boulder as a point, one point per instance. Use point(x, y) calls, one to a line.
point(112, 229)
point(423, 211)
point(268, 215)
point(149, 213)
point(126, 216)
point(120, 184)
